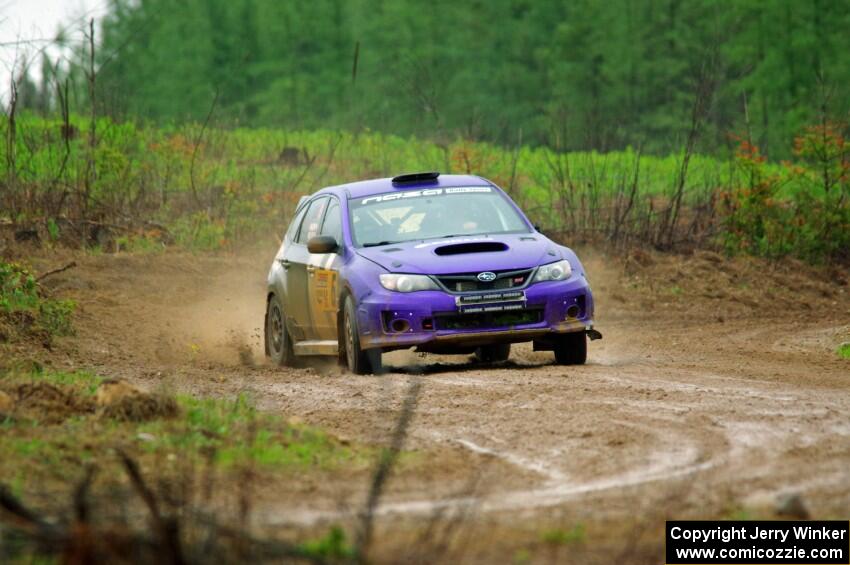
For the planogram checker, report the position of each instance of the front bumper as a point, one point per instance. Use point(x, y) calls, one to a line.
point(433, 320)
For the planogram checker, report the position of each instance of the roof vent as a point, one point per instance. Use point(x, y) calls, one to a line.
point(416, 178)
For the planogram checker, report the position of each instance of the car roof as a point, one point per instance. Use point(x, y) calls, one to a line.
point(380, 186)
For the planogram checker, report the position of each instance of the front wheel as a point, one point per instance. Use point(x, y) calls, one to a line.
point(571, 349)
point(493, 353)
point(359, 362)
point(278, 340)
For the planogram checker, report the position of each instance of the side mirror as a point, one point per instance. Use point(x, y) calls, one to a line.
point(322, 244)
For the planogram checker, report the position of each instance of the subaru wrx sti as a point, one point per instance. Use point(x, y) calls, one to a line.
point(440, 263)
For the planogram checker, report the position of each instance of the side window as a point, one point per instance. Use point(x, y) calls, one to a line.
point(293, 227)
point(312, 220)
point(332, 225)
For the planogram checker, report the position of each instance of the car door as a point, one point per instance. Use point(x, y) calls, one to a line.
point(295, 262)
point(323, 277)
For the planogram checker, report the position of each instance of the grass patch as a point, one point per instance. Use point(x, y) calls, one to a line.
point(45, 443)
point(740, 513)
point(82, 381)
point(843, 350)
point(214, 460)
point(237, 433)
point(26, 309)
point(558, 536)
point(330, 547)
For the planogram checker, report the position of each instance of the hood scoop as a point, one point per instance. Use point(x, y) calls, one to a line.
point(472, 247)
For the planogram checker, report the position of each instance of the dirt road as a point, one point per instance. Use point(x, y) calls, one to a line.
point(715, 390)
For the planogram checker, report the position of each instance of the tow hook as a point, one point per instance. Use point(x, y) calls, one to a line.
point(593, 334)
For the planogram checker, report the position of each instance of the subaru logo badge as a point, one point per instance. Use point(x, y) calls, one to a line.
point(486, 276)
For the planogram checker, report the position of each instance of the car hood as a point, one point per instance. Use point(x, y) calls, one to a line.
point(465, 254)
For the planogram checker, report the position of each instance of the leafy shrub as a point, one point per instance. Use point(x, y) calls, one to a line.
point(25, 307)
point(823, 203)
point(753, 212)
point(802, 209)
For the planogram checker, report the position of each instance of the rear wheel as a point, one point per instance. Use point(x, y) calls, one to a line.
point(571, 349)
point(278, 340)
point(493, 353)
point(359, 362)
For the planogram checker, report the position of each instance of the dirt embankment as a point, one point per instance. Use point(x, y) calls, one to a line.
point(715, 390)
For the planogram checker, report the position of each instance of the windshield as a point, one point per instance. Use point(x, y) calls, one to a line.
point(411, 215)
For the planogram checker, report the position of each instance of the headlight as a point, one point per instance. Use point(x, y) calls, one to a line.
point(407, 283)
point(553, 271)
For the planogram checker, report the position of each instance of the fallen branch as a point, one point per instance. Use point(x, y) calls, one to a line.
point(12, 511)
point(386, 463)
point(43, 276)
point(166, 528)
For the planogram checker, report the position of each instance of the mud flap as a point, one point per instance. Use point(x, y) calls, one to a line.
point(593, 334)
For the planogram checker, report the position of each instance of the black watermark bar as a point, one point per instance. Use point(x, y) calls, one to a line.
point(745, 542)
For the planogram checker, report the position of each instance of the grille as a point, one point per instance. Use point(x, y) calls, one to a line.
point(468, 282)
point(492, 320)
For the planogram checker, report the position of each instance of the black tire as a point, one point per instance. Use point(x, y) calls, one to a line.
point(278, 340)
point(571, 349)
point(493, 353)
point(359, 362)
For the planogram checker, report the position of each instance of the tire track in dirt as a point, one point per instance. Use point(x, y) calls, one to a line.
point(669, 396)
point(726, 445)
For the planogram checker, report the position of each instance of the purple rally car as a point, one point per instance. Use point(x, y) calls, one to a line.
point(442, 263)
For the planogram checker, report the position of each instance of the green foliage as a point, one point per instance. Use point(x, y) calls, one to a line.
point(18, 289)
point(139, 243)
point(522, 556)
point(800, 209)
point(232, 434)
point(199, 231)
point(239, 434)
point(583, 74)
point(52, 230)
point(331, 546)
point(229, 187)
point(559, 536)
point(843, 350)
point(740, 513)
point(83, 381)
point(24, 305)
point(240, 184)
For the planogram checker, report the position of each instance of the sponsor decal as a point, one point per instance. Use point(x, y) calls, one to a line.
point(404, 195)
point(323, 282)
point(478, 308)
point(491, 297)
point(324, 297)
point(491, 302)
